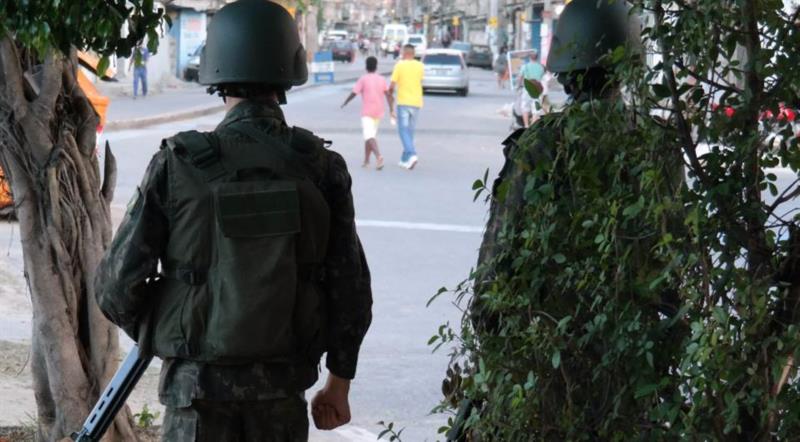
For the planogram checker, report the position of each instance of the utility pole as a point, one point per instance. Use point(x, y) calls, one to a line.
point(494, 24)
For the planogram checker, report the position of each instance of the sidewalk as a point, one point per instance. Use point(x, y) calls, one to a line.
point(191, 100)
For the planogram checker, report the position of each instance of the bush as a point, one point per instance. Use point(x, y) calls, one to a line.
point(640, 279)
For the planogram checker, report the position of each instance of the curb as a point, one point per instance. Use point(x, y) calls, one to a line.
point(138, 123)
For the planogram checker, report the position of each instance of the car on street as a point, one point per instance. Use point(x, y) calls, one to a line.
point(393, 37)
point(462, 46)
point(192, 70)
point(480, 56)
point(336, 34)
point(445, 69)
point(342, 50)
point(418, 41)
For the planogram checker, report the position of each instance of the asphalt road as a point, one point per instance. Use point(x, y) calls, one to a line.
point(420, 230)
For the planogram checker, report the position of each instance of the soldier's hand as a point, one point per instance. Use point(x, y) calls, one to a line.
point(330, 407)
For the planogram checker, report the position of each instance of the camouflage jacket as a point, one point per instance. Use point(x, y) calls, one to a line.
point(132, 260)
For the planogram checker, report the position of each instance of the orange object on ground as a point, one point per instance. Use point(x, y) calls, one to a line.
point(99, 102)
point(5, 192)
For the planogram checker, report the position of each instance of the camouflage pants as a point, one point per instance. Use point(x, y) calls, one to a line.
point(279, 420)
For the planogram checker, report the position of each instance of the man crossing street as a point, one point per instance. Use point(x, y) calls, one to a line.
point(407, 80)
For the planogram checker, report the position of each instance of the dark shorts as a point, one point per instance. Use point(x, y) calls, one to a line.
point(278, 420)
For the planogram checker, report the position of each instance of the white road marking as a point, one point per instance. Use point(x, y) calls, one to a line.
point(419, 226)
point(352, 433)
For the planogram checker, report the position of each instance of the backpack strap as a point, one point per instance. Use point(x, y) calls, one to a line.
point(304, 140)
point(291, 155)
point(202, 150)
point(310, 145)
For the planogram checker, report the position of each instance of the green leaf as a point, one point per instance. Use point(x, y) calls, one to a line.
point(534, 88)
point(661, 91)
point(438, 293)
point(559, 258)
point(645, 390)
point(556, 359)
point(617, 54)
point(102, 65)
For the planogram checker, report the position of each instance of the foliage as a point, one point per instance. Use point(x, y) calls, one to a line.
point(640, 276)
point(146, 417)
point(389, 430)
point(87, 24)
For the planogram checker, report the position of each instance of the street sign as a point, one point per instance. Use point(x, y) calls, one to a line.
point(323, 67)
point(493, 22)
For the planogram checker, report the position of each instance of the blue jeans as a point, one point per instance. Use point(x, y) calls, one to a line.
point(139, 74)
point(406, 122)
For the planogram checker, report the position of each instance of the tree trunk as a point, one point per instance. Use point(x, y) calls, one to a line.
point(47, 148)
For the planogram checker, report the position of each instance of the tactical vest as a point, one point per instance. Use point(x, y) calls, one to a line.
point(248, 234)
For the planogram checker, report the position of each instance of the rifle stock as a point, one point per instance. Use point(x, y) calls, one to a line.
point(458, 432)
point(114, 396)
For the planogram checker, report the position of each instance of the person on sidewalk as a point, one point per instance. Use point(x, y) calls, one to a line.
point(238, 262)
point(373, 89)
point(501, 68)
point(140, 57)
point(532, 71)
point(407, 79)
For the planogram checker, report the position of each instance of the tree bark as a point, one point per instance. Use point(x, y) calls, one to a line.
point(47, 148)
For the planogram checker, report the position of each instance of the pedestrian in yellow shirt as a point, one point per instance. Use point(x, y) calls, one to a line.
point(407, 79)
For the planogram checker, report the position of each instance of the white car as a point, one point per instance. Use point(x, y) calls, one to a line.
point(332, 35)
point(445, 69)
point(418, 41)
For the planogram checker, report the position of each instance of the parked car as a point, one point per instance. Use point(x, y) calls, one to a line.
point(445, 69)
point(342, 50)
point(418, 41)
point(336, 35)
point(462, 46)
point(192, 70)
point(480, 56)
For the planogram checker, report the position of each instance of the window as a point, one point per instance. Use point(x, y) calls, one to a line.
point(445, 59)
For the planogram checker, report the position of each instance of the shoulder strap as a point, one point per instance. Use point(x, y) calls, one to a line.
point(291, 153)
point(304, 140)
point(202, 150)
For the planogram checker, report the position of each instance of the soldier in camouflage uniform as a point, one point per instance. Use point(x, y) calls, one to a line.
point(238, 261)
point(587, 31)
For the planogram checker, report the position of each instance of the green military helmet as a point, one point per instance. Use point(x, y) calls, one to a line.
point(589, 29)
point(253, 41)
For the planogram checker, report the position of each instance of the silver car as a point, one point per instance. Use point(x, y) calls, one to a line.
point(445, 69)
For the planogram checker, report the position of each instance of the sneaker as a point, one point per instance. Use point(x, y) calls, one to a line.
point(411, 162)
point(379, 164)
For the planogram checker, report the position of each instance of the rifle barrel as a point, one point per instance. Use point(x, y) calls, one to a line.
point(114, 396)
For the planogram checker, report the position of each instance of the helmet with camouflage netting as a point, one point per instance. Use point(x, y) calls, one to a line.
point(587, 30)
